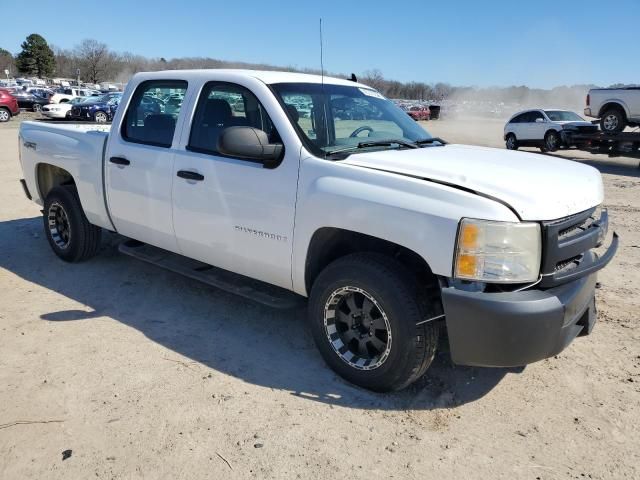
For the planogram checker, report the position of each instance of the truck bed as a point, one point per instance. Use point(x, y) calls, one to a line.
point(77, 148)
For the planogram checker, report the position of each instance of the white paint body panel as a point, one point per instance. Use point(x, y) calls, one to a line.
point(538, 187)
point(76, 148)
point(260, 222)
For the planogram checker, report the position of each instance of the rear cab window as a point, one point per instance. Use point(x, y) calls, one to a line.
point(148, 120)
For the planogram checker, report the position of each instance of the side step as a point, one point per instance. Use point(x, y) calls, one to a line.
point(246, 287)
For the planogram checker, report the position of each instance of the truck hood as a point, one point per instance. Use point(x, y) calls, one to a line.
point(535, 186)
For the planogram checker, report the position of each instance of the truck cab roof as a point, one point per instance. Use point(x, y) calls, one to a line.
point(266, 76)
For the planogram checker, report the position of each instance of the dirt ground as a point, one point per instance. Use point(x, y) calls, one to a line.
point(140, 373)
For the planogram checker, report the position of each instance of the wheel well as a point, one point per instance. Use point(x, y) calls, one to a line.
point(50, 176)
point(329, 244)
point(612, 105)
point(64, 100)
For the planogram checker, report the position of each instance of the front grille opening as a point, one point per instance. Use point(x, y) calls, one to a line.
point(576, 229)
point(568, 264)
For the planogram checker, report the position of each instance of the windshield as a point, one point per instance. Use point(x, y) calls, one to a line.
point(333, 118)
point(563, 116)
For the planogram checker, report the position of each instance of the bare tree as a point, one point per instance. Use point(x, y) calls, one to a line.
point(95, 60)
point(375, 79)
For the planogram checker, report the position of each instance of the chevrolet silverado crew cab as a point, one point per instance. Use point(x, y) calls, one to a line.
point(390, 233)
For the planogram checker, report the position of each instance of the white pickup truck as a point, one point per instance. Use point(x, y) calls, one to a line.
point(615, 107)
point(392, 234)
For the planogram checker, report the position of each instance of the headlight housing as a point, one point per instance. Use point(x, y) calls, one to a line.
point(498, 252)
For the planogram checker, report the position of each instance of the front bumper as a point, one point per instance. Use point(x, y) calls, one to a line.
point(512, 329)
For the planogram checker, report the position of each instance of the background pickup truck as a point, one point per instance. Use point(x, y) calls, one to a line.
point(391, 234)
point(615, 107)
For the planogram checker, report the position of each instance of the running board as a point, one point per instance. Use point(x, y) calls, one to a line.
point(246, 287)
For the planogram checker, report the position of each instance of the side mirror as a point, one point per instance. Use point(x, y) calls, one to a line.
point(250, 143)
point(539, 120)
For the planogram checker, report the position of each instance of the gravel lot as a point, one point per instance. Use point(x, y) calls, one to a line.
point(141, 373)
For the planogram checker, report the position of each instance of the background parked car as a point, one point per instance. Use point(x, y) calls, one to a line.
point(68, 94)
point(31, 98)
point(419, 112)
point(543, 128)
point(8, 105)
point(62, 110)
point(100, 110)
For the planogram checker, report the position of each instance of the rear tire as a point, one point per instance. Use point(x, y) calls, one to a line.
point(71, 236)
point(36, 107)
point(613, 121)
point(511, 142)
point(5, 115)
point(364, 311)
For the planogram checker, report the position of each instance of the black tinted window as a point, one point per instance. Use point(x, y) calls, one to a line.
point(519, 118)
point(535, 116)
point(223, 105)
point(146, 120)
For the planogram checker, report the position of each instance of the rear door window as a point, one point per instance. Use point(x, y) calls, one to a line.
point(146, 120)
point(536, 115)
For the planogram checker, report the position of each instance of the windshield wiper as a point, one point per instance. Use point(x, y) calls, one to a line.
point(374, 143)
point(426, 141)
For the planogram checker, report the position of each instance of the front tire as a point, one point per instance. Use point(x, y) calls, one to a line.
point(71, 236)
point(365, 312)
point(5, 115)
point(613, 121)
point(36, 107)
point(551, 141)
point(100, 117)
point(511, 142)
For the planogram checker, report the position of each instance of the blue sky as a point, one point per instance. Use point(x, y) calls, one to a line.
point(537, 43)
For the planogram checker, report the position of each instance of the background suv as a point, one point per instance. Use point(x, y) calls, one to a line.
point(8, 105)
point(543, 128)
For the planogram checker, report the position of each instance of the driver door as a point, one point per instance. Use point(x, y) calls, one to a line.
point(231, 212)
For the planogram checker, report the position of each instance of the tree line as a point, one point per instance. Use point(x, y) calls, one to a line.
point(97, 63)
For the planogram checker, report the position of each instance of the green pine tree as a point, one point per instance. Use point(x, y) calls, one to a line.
point(36, 58)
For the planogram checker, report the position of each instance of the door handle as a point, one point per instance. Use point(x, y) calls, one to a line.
point(119, 161)
point(190, 175)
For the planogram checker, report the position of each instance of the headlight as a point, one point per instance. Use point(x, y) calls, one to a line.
point(498, 252)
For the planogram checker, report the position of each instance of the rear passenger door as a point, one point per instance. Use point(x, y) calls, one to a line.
point(516, 126)
point(527, 126)
point(139, 167)
point(538, 125)
point(231, 212)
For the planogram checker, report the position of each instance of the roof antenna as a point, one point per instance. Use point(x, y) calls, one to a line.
point(321, 56)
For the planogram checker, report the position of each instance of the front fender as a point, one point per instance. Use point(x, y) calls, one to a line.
point(419, 215)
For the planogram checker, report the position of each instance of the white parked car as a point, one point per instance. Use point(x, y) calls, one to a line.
point(392, 234)
point(70, 93)
point(543, 128)
point(61, 110)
